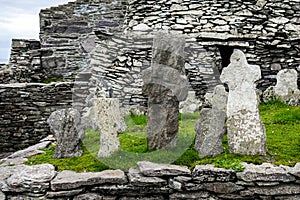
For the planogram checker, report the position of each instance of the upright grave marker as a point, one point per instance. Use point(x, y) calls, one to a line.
point(246, 133)
point(166, 84)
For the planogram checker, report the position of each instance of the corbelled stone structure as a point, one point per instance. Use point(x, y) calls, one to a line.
point(267, 31)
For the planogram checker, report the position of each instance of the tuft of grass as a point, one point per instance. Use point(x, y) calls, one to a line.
point(282, 124)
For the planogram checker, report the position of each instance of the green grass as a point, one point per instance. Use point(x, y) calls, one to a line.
point(282, 123)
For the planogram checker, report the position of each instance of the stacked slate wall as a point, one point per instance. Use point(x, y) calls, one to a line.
point(267, 31)
point(156, 182)
point(24, 110)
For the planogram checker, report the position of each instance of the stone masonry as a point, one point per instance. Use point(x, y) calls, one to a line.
point(151, 181)
point(267, 31)
point(24, 110)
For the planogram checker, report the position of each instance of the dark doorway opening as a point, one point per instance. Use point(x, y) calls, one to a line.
point(225, 52)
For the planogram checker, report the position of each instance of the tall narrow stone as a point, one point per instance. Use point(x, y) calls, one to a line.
point(246, 133)
point(211, 127)
point(68, 132)
point(110, 123)
point(166, 84)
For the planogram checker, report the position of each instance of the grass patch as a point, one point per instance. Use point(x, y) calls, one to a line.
point(282, 123)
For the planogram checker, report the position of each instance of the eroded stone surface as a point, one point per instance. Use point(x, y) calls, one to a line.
point(110, 122)
point(286, 88)
point(191, 104)
point(286, 82)
point(217, 99)
point(223, 188)
point(166, 85)
point(265, 172)
point(72, 180)
point(210, 130)
point(154, 169)
point(246, 133)
point(136, 178)
point(68, 132)
point(29, 178)
point(89, 196)
point(209, 173)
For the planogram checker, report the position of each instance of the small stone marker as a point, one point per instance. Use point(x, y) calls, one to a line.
point(166, 84)
point(211, 127)
point(286, 88)
point(246, 133)
point(110, 123)
point(68, 132)
point(286, 82)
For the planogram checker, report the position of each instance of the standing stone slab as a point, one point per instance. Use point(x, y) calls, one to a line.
point(110, 122)
point(166, 84)
point(211, 127)
point(246, 133)
point(286, 82)
point(218, 99)
point(210, 130)
point(68, 132)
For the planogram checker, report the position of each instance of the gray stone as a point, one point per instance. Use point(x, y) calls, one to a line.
point(30, 151)
point(154, 169)
point(2, 196)
point(296, 170)
point(89, 196)
point(191, 104)
point(265, 172)
point(222, 188)
point(141, 27)
point(68, 132)
point(67, 180)
point(192, 195)
point(277, 190)
point(110, 122)
point(136, 178)
point(55, 195)
point(246, 133)
point(210, 130)
point(217, 99)
point(209, 173)
point(35, 179)
point(287, 82)
point(166, 85)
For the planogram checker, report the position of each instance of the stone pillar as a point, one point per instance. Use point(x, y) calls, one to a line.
point(66, 126)
point(110, 123)
point(211, 127)
point(166, 84)
point(246, 133)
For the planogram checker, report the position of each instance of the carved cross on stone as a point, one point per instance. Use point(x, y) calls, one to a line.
point(166, 84)
point(246, 133)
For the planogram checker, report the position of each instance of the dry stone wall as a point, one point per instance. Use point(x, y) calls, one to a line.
point(152, 181)
point(267, 32)
point(24, 110)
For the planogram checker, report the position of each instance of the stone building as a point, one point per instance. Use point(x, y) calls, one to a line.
point(111, 41)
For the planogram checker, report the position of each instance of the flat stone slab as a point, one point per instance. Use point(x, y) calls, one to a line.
point(265, 172)
point(29, 178)
point(66, 180)
point(154, 169)
point(209, 173)
point(136, 178)
point(21, 156)
point(296, 170)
